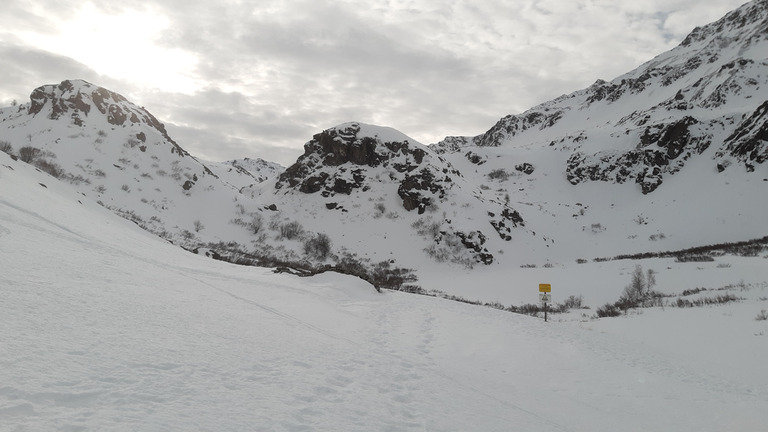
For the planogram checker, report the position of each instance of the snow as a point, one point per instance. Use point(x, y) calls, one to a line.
point(106, 327)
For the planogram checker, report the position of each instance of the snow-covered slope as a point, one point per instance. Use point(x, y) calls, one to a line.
point(106, 327)
point(245, 172)
point(667, 156)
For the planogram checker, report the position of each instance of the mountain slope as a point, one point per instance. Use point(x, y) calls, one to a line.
point(667, 156)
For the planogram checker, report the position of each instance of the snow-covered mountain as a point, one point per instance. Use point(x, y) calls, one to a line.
point(245, 172)
point(709, 93)
point(672, 151)
point(668, 156)
point(106, 327)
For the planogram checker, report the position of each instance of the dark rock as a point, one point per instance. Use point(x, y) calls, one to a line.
point(749, 142)
point(475, 158)
point(525, 168)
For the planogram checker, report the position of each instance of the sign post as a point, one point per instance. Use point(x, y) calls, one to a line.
point(545, 297)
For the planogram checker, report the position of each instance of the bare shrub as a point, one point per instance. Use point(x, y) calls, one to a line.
point(318, 246)
point(573, 302)
point(291, 230)
point(49, 167)
point(6, 147)
point(706, 301)
point(499, 173)
point(426, 227)
point(28, 153)
point(608, 310)
point(187, 235)
point(198, 226)
point(762, 316)
point(256, 224)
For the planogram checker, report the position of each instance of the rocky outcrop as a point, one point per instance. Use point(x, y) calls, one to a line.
point(339, 161)
point(749, 142)
point(78, 99)
point(663, 149)
point(512, 125)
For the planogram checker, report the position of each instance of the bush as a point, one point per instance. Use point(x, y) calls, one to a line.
point(49, 167)
point(256, 223)
point(318, 246)
point(28, 153)
point(198, 226)
point(608, 310)
point(6, 147)
point(291, 230)
point(706, 301)
point(573, 302)
point(499, 173)
point(762, 316)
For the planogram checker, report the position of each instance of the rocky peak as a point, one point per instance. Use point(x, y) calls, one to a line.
point(80, 99)
point(337, 160)
point(751, 17)
point(361, 145)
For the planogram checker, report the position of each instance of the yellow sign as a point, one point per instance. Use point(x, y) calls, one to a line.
point(545, 288)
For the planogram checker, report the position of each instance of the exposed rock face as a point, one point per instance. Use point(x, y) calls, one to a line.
point(749, 142)
point(512, 125)
point(76, 98)
point(663, 148)
point(338, 161)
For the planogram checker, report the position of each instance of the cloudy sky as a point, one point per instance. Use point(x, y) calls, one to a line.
point(257, 78)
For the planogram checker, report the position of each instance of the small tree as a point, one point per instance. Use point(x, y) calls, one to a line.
point(6, 147)
point(650, 279)
point(639, 292)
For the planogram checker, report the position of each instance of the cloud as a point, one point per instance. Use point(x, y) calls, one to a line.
point(26, 68)
point(268, 74)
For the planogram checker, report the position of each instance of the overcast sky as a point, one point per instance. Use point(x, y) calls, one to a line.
point(257, 78)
